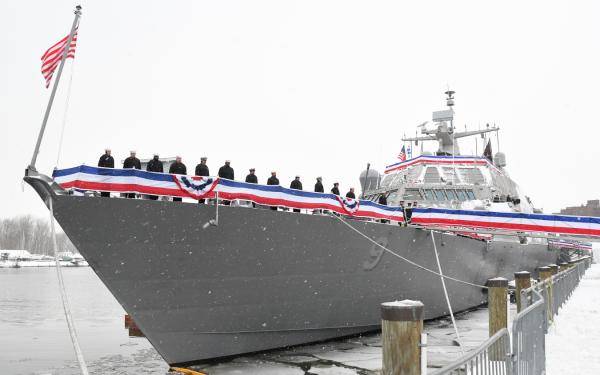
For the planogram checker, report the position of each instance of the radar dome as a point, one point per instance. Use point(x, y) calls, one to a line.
point(369, 179)
point(500, 159)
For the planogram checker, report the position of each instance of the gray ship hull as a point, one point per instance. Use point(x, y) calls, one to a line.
point(263, 279)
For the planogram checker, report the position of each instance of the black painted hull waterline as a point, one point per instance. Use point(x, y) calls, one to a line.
point(264, 279)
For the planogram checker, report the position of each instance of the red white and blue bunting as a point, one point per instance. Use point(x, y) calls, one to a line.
point(84, 178)
point(142, 182)
point(438, 160)
point(508, 221)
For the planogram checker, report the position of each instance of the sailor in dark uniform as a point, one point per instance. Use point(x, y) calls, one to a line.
point(251, 177)
point(296, 185)
point(154, 165)
point(383, 201)
point(319, 186)
point(335, 189)
point(131, 162)
point(177, 167)
point(106, 161)
point(273, 180)
point(319, 189)
point(226, 172)
point(202, 170)
point(351, 194)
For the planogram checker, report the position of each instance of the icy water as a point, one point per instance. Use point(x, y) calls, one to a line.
point(34, 338)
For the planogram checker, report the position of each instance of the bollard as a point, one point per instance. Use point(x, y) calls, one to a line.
point(522, 282)
point(553, 268)
point(544, 273)
point(401, 327)
point(498, 313)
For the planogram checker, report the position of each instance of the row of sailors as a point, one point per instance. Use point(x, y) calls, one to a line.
point(226, 171)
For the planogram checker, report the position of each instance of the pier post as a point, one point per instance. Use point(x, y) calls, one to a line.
point(401, 327)
point(498, 313)
point(544, 273)
point(522, 281)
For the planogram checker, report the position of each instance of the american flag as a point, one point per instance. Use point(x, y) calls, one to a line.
point(53, 56)
point(402, 154)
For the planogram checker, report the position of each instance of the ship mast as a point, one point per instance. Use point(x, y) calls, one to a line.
point(31, 167)
point(443, 131)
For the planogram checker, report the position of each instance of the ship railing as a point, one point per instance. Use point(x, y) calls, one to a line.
point(523, 350)
point(492, 357)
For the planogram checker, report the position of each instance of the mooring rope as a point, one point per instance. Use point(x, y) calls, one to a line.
point(406, 259)
point(437, 259)
point(63, 295)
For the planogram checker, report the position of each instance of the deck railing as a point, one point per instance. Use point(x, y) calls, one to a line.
point(527, 353)
point(493, 357)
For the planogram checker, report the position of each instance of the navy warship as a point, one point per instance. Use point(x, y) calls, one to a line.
point(264, 279)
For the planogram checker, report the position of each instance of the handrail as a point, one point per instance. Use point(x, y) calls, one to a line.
point(468, 357)
point(525, 355)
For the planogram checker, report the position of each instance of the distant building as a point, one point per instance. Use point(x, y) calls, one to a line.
point(592, 208)
point(15, 255)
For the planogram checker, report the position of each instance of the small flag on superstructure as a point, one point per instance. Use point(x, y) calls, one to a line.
point(53, 56)
point(402, 154)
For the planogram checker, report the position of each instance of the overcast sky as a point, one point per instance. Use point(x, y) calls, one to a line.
point(305, 87)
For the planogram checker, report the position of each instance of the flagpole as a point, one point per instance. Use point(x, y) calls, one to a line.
point(56, 80)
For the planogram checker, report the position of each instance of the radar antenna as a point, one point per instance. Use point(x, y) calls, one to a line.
point(444, 130)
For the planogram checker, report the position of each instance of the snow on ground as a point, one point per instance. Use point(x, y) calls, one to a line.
point(573, 341)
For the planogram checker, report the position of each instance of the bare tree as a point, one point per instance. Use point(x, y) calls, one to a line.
point(31, 233)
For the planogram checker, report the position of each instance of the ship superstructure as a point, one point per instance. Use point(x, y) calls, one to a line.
point(449, 178)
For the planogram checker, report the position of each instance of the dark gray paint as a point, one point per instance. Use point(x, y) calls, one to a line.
point(263, 279)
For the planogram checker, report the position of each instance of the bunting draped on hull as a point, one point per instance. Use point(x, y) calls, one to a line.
point(137, 181)
point(133, 180)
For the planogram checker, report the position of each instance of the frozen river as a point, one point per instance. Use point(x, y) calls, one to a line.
point(34, 338)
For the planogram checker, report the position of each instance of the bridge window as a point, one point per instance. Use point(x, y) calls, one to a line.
point(471, 195)
point(462, 196)
point(429, 195)
point(451, 194)
point(439, 195)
